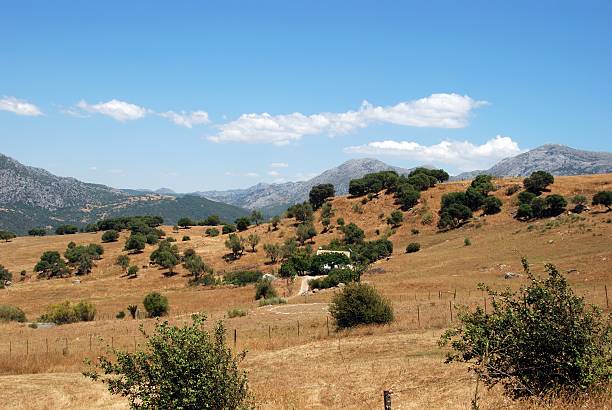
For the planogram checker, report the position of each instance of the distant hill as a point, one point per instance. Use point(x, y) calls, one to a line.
point(274, 198)
point(556, 159)
point(32, 197)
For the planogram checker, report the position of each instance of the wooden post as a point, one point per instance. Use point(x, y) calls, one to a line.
point(485, 305)
point(269, 332)
point(455, 294)
point(47, 345)
point(90, 342)
point(235, 338)
point(419, 315)
point(439, 294)
point(27, 347)
point(112, 342)
point(327, 324)
point(607, 303)
point(387, 399)
point(10, 347)
point(450, 308)
point(298, 328)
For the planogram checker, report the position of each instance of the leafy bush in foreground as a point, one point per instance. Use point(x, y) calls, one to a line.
point(11, 313)
point(185, 367)
point(360, 304)
point(538, 340)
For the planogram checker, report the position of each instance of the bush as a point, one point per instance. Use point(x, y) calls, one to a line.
point(325, 262)
point(135, 243)
point(212, 220)
point(467, 242)
point(273, 251)
point(236, 313)
point(371, 251)
point(185, 367)
point(491, 205)
point(235, 244)
point(242, 278)
point(110, 236)
point(51, 265)
point(319, 194)
point(413, 247)
point(360, 304)
point(353, 234)
point(396, 218)
point(37, 232)
point(68, 312)
point(334, 278)
point(538, 181)
point(541, 339)
point(512, 189)
point(427, 218)
point(120, 315)
point(132, 271)
point(228, 229)
point(603, 198)
point(5, 275)
point(264, 289)
point(243, 223)
point(186, 238)
point(272, 301)
point(524, 212)
point(155, 304)
point(66, 230)
point(212, 232)
point(11, 314)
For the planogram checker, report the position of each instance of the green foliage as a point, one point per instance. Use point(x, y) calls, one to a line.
point(133, 309)
point(123, 261)
point(185, 222)
point(228, 228)
point(110, 236)
point(413, 247)
point(542, 339)
point(186, 238)
point(289, 247)
point(512, 189)
point(340, 221)
point(185, 367)
point(524, 212)
point(10, 313)
point(334, 278)
point(305, 232)
point(555, 205)
point(603, 198)
point(264, 289)
point(272, 301)
point(275, 221)
point(319, 194)
point(132, 271)
point(538, 181)
point(256, 217)
point(526, 197)
point(5, 275)
point(300, 260)
point(235, 244)
point(66, 230)
point(236, 312)
point(287, 270)
point(211, 220)
point(467, 241)
point(166, 255)
point(322, 264)
point(155, 304)
point(37, 232)
point(396, 218)
point(125, 222)
point(195, 265)
point(243, 223)
point(273, 251)
point(135, 243)
point(242, 277)
point(453, 215)
point(326, 210)
point(51, 265)
point(253, 241)
point(491, 205)
point(370, 251)
point(353, 234)
point(427, 218)
point(68, 312)
point(120, 315)
point(360, 304)
point(212, 232)
point(301, 212)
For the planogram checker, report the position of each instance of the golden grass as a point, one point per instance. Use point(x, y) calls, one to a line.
point(313, 369)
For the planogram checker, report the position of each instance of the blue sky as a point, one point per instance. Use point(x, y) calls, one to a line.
point(198, 95)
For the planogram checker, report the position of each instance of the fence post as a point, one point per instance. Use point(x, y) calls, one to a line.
point(439, 294)
point(90, 342)
point(269, 332)
point(27, 347)
point(298, 328)
point(419, 315)
point(387, 399)
point(47, 345)
point(450, 308)
point(235, 338)
point(327, 324)
point(607, 303)
point(485, 304)
point(10, 347)
point(455, 294)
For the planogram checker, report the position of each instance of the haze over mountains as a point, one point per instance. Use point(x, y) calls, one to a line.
point(32, 197)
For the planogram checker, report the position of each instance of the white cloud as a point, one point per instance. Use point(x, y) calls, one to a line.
point(19, 107)
point(279, 165)
point(186, 119)
point(251, 174)
point(118, 110)
point(93, 168)
point(275, 174)
point(463, 155)
point(437, 111)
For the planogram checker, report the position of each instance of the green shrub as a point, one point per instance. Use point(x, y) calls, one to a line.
point(5, 275)
point(467, 242)
point(539, 340)
point(264, 289)
point(491, 205)
point(371, 251)
point(512, 189)
point(185, 367)
point(353, 234)
point(427, 218)
point(120, 315)
point(68, 312)
point(155, 304)
point(236, 312)
point(11, 314)
point(229, 228)
point(360, 304)
point(186, 238)
point(132, 271)
point(332, 260)
point(66, 230)
point(603, 198)
point(272, 301)
point(212, 232)
point(132, 309)
point(110, 236)
point(37, 232)
point(538, 181)
point(334, 278)
point(242, 277)
point(413, 247)
point(243, 223)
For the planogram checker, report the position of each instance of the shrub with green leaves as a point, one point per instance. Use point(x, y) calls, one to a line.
point(236, 312)
point(51, 265)
point(272, 301)
point(242, 277)
point(413, 247)
point(603, 198)
point(539, 340)
point(10, 313)
point(360, 304)
point(264, 289)
point(212, 232)
point(5, 275)
point(185, 367)
point(334, 278)
point(229, 228)
point(155, 304)
point(69, 312)
point(110, 236)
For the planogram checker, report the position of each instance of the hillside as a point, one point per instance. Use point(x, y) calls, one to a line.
point(553, 158)
point(32, 197)
point(335, 369)
point(271, 198)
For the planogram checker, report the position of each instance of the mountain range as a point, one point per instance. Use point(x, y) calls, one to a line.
point(32, 197)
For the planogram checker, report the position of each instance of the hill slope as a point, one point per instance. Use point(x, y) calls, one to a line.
point(274, 197)
point(32, 197)
point(556, 159)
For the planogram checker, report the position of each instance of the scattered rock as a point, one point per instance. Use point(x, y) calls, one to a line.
point(551, 241)
point(76, 281)
point(511, 275)
point(268, 276)
point(315, 290)
point(341, 285)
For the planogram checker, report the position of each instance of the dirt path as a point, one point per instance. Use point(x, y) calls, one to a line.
point(304, 288)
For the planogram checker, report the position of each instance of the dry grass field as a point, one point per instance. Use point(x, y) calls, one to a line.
point(295, 358)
